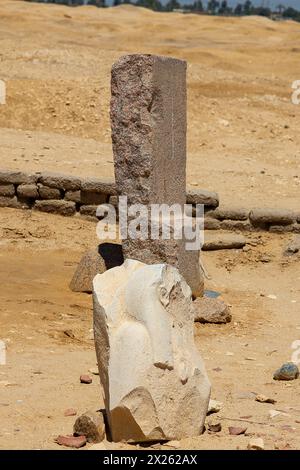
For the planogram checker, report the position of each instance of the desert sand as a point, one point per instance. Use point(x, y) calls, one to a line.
point(243, 142)
point(243, 130)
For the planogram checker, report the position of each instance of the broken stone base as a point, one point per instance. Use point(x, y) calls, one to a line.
point(95, 261)
point(154, 380)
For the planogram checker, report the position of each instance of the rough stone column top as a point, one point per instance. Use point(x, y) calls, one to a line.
point(148, 119)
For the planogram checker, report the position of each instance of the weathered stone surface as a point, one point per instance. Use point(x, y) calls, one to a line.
point(201, 196)
point(28, 191)
point(288, 371)
point(93, 262)
point(56, 207)
point(294, 228)
point(46, 192)
point(293, 246)
point(13, 203)
point(91, 425)
point(60, 181)
point(263, 217)
point(90, 264)
point(209, 310)
point(74, 196)
point(89, 210)
point(16, 177)
point(256, 443)
point(114, 200)
point(234, 225)
point(90, 198)
point(148, 120)
point(229, 213)
point(223, 241)
point(71, 441)
point(104, 186)
point(7, 190)
point(154, 380)
point(211, 224)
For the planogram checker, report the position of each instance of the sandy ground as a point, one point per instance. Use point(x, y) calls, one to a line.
point(48, 330)
point(243, 136)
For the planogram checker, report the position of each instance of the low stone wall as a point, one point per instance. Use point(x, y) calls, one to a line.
point(70, 195)
point(272, 220)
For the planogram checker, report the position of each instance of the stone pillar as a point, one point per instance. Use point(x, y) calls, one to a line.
point(148, 120)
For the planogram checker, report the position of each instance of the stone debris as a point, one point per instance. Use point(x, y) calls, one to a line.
point(214, 406)
point(288, 371)
point(264, 399)
point(71, 441)
point(211, 310)
point(143, 323)
point(236, 431)
point(223, 241)
point(256, 444)
point(263, 217)
point(214, 426)
point(91, 425)
point(86, 379)
point(293, 246)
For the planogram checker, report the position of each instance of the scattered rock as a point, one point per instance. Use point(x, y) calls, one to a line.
point(91, 425)
point(288, 371)
point(236, 431)
point(256, 444)
point(210, 310)
point(214, 426)
point(264, 399)
point(214, 406)
point(86, 379)
point(293, 246)
point(70, 412)
point(223, 241)
point(71, 441)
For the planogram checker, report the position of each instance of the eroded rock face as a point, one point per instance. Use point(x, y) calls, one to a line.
point(154, 381)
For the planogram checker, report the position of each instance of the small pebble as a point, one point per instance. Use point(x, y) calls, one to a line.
point(236, 431)
point(214, 427)
point(264, 399)
point(71, 441)
point(86, 379)
point(214, 406)
point(288, 371)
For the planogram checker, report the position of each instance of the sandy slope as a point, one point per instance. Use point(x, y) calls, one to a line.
point(243, 138)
